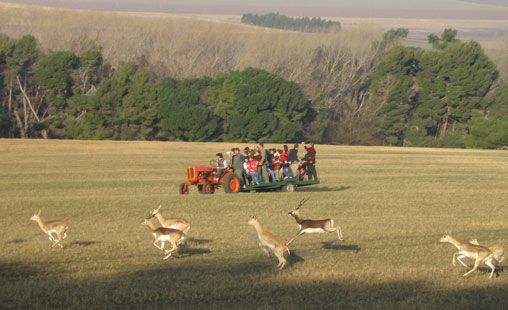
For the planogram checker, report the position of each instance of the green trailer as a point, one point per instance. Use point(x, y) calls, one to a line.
point(288, 185)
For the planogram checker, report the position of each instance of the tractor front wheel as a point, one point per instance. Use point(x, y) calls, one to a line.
point(184, 188)
point(208, 188)
point(232, 184)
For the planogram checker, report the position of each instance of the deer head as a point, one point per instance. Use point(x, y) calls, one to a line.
point(36, 216)
point(446, 238)
point(154, 212)
point(301, 203)
point(252, 220)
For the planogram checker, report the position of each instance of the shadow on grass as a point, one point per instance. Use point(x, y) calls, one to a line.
point(186, 251)
point(199, 241)
point(14, 271)
point(294, 259)
point(248, 284)
point(83, 243)
point(330, 245)
point(16, 241)
point(323, 189)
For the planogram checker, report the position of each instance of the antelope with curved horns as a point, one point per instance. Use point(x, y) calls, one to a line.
point(497, 250)
point(308, 226)
point(175, 223)
point(162, 235)
point(270, 243)
point(477, 252)
point(56, 229)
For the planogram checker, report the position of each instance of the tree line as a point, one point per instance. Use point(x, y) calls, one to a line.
point(447, 96)
point(279, 21)
point(64, 95)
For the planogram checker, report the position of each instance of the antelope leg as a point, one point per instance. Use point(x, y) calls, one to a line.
point(489, 263)
point(476, 264)
point(298, 234)
point(155, 245)
point(460, 260)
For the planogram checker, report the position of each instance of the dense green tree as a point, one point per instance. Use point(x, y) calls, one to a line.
point(304, 24)
point(183, 113)
point(488, 127)
point(24, 102)
point(452, 83)
point(53, 73)
point(124, 107)
point(421, 97)
point(91, 71)
point(394, 85)
point(6, 125)
point(255, 105)
point(448, 36)
point(428, 95)
point(24, 54)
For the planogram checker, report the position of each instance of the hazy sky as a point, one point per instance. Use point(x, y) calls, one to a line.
point(366, 8)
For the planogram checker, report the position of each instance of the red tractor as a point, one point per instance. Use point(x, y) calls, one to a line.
point(207, 180)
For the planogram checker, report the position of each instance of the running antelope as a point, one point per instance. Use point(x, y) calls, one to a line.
point(308, 226)
point(270, 243)
point(497, 250)
point(477, 252)
point(56, 229)
point(175, 223)
point(162, 235)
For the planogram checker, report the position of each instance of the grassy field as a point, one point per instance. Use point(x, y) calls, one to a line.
point(393, 205)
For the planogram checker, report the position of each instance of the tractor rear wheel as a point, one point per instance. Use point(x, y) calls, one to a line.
point(184, 188)
point(290, 187)
point(208, 188)
point(232, 184)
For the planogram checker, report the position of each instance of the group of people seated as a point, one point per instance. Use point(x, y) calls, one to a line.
point(257, 165)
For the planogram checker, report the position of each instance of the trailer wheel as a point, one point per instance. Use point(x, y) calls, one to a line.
point(290, 187)
point(207, 188)
point(184, 188)
point(232, 184)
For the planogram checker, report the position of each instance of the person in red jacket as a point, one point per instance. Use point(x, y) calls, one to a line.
point(252, 169)
point(310, 161)
point(283, 156)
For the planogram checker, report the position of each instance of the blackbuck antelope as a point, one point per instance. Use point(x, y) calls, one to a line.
point(497, 250)
point(308, 226)
point(479, 253)
point(162, 235)
point(56, 229)
point(270, 243)
point(175, 223)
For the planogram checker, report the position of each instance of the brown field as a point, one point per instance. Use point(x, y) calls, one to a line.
point(393, 205)
point(213, 43)
point(445, 9)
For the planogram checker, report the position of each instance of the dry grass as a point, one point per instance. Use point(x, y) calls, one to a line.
point(188, 46)
point(180, 46)
point(498, 52)
point(393, 204)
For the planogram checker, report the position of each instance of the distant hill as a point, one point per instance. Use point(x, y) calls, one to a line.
point(490, 2)
point(433, 9)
